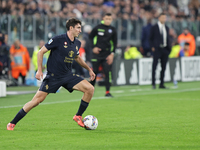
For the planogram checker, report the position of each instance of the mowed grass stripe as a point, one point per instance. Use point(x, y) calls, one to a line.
point(124, 94)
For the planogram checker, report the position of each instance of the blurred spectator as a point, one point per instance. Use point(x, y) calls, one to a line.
point(56, 6)
point(145, 39)
point(88, 46)
point(124, 25)
point(183, 7)
point(40, 27)
point(41, 8)
point(131, 52)
point(175, 51)
point(15, 25)
point(31, 8)
point(4, 8)
point(20, 61)
point(172, 36)
point(173, 2)
point(4, 56)
point(3, 38)
point(94, 9)
point(34, 56)
point(129, 16)
point(82, 50)
point(185, 50)
point(186, 36)
point(194, 5)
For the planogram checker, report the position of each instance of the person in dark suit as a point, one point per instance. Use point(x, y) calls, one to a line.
point(145, 39)
point(159, 41)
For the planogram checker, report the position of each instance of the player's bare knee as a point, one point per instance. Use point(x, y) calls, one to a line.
point(39, 98)
point(90, 90)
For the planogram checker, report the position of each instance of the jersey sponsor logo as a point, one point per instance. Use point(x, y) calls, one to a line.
point(71, 53)
point(68, 60)
point(110, 30)
point(50, 41)
point(101, 33)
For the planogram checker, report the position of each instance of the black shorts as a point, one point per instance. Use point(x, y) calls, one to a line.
point(51, 84)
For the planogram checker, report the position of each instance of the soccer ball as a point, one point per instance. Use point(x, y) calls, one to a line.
point(90, 122)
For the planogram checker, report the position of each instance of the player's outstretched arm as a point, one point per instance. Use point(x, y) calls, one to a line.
point(42, 51)
point(82, 63)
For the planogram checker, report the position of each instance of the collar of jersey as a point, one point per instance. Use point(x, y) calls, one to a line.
point(69, 39)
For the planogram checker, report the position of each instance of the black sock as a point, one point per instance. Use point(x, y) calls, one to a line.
point(19, 116)
point(82, 108)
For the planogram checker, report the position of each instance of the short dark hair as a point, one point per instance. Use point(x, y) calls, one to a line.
point(107, 14)
point(187, 44)
point(72, 22)
point(161, 14)
point(186, 28)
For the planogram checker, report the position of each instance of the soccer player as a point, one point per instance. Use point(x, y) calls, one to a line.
point(64, 49)
point(104, 37)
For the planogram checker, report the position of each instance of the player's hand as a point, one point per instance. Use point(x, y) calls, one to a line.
point(39, 75)
point(96, 50)
point(110, 58)
point(153, 49)
point(92, 75)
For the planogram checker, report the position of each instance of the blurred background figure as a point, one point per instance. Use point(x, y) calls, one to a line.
point(20, 61)
point(34, 56)
point(187, 37)
point(131, 52)
point(88, 46)
point(175, 51)
point(178, 51)
point(172, 36)
point(34, 59)
point(4, 56)
point(147, 52)
point(185, 50)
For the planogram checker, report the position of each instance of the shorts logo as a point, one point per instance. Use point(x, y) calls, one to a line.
point(71, 53)
point(50, 41)
point(47, 87)
point(77, 48)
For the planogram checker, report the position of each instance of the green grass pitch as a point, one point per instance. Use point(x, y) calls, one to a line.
point(137, 118)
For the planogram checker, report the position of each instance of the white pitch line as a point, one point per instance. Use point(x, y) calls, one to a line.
point(121, 95)
point(119, 91)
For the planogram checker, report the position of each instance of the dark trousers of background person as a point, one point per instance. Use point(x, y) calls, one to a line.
point(162, 54)
point(23, 79)
point(106, 70)
point(147, 52)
